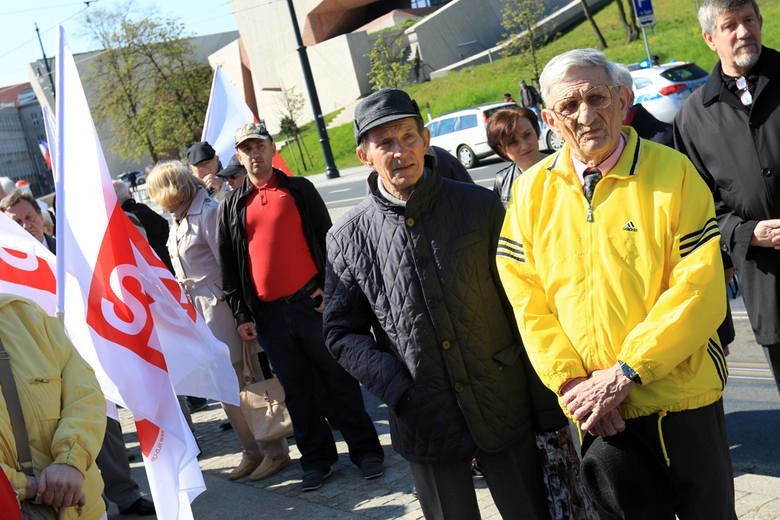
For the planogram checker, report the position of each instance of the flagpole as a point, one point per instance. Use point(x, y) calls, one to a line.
point(59, 202)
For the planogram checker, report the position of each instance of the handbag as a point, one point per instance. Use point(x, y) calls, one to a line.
point(262, 402)
point(31, 509)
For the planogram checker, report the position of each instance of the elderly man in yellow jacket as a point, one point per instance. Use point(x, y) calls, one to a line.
point(64, 413)
point(610, 257)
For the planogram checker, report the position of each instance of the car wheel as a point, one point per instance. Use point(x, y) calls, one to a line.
point(466, 157)
point(553, 141)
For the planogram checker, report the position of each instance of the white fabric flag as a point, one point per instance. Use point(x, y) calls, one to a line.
point(26, 266)
point(125, 312)
point(226, 112)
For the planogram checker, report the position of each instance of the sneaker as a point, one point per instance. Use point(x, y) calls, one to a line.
point(371, 468)
point(313, 479)
point(270, 467)
point(246, 467)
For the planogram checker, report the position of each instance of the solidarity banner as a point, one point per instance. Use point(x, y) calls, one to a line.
point(125, 312)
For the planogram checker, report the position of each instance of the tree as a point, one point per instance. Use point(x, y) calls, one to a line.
point(149, 89)
point(389, 66)
point(292, 104)
point(589, 16)
point(519, 19)
point(629, 24)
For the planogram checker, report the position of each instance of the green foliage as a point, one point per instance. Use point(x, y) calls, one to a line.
point(148, 85)
point(389, 67)
point(519, 19)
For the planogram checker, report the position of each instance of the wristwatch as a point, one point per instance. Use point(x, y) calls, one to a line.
point(630, 372)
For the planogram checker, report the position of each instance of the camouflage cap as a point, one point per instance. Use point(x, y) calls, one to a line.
point(252, 131)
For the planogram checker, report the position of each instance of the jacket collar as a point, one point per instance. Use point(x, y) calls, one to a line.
point(767, 68)
point(196, 206)
point(425, 193)
point(626, 166)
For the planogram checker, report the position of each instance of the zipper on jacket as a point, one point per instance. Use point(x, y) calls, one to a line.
point(589, 217)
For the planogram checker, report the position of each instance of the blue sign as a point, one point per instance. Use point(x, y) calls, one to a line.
point(644, 12)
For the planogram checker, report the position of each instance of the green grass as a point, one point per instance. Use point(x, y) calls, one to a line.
point(675, 37)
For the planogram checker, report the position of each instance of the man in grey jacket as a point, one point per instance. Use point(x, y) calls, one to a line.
point(415, 311)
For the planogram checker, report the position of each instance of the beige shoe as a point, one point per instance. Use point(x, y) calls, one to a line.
point(246, 467)
point(269, 467)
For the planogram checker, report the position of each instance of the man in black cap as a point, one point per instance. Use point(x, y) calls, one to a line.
point(272, 246)
point(415, 311)
point(205, 165)
point(234, 173)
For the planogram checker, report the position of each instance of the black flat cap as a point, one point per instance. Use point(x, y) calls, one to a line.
point(233, 167)
point(199, 152)
point(383, 106)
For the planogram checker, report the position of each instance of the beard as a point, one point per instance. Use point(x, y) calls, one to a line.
point(745, 57)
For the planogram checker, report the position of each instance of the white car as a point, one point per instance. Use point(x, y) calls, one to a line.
point(462, 133)
point(661, 89)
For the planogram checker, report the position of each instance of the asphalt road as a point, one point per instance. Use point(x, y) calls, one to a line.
point(751, 400)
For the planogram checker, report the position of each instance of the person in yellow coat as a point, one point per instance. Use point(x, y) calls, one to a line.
point(64, 413)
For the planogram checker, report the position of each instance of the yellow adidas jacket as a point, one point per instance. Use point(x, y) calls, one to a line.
point(64, 409)
point(637, 276)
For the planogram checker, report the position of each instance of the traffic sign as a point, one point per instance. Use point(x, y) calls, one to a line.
point(644, 12)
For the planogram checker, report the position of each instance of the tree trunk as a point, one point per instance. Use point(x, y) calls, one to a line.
point(600, 36)
point(631, 30)
point(632, 18)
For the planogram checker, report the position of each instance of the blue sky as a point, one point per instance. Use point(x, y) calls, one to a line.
point(19, 44)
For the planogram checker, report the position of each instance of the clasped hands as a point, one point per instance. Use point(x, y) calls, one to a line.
point(594, 401)
point(59, 485)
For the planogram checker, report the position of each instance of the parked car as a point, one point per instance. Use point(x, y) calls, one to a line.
point(661, 89)
point(127, 177)
point(462, 133)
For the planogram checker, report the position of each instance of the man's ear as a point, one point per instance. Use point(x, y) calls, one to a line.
point(361, 154)
point(548, 116)
point(709, 40)
point(426, 135)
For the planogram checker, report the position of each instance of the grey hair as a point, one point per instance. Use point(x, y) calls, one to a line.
point(711, 9)
point(7, 185)
point(122, 191)
point(557, 68)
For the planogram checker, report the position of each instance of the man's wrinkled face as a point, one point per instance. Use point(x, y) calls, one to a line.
point(737, 39)
point(587, 112)
point(256, 156)
point(396, 151)
point(203, 168)
point(25, 215)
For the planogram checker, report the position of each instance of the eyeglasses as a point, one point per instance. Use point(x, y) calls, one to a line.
point(746, 98)
point(597, 98)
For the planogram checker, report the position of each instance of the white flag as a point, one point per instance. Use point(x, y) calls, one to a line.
point(226, 112)
point(125, 312)
point(26, 266)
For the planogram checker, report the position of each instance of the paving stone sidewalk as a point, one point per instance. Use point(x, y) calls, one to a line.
point(346, 495)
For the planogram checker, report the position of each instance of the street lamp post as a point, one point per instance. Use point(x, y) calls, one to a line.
point(330, 166)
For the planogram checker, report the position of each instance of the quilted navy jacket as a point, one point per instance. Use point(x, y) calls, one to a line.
point(415, 311)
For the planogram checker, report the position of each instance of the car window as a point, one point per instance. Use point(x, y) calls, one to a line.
point(468, 121)
point(447, 126)
point(687, 72)
point(641, 83)
point(433, 128)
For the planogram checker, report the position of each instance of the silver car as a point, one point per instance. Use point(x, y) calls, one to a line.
point(661, 89)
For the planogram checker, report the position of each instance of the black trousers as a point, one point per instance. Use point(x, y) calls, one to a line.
point(120, 488)
point(772, 353)
point(514, 476)
point(290, 332)
point(627, 475)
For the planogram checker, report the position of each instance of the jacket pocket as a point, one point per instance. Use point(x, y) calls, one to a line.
point(509, 355)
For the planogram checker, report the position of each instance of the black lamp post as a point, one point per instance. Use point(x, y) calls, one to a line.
point(330, 166)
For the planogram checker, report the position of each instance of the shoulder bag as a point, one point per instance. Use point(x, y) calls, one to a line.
point(262, 402)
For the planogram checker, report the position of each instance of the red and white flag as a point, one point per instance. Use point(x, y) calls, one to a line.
point(227, 112)
point(125, 312)
point(26, 266)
